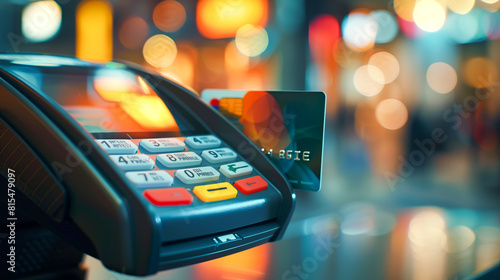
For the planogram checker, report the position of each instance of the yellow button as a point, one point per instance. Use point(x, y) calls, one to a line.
point(215, 192)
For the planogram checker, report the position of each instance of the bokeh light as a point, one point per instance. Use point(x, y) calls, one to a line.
point(159, 50)
point(441, 77)
point(459, 239)
point(133, 32)
point(429, 15)
point(324, 33)
point(359, 31)
point(41, 20)
point(489, 5)
point(94, 31)
point(365, 84)
point(480, 72)
point(181, 70)
point(391, 114)
point(387, 26)
point(427, 234)
point(463, 28)
point(235, 59)
point(460, 6)
point(221, 18)
point(387, 64)
point(251, 40)
point(427, 229)
point(404, 9)
point(169, 16)
point(488, 247)
point(484, 23)
point(408, 28)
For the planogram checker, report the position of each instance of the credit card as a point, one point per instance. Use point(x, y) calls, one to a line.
point(288, 126)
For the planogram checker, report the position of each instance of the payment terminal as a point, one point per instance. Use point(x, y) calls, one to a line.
point(132, 168)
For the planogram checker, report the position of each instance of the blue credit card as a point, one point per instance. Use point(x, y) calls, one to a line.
point(288, 126)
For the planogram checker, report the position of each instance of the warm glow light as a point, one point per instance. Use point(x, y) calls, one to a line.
point(365, 84)
point(41, 20)
point(253, 264)
point(385, 62)
point(113, 84)
point(94, 30)
point(149, 111)
point(235, 59)
point(169, 16)
point(429, 15)
point(461, 6)
point(222, 18)
point(251, 40)
point(489, 5)
point(404, 9)
point(133, 32)
point(391, 114)
point(441, 77)
point(427, 229)
point(181, 70)
point(144, 85)
point(387, 26)
point(459, 239)
point(159, 50)
point(359, 31)
point(427, 236)
point(136, 97)
point(480, 72)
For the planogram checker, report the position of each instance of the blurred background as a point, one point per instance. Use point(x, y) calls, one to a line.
point(411, 178)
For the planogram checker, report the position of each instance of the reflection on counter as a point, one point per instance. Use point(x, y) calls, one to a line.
point(360, 241)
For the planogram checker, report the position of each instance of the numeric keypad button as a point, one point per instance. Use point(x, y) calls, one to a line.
point(150, 178)
point(197, 175)
point(117, 146)
point(219, 155)
point(133, 162)
point(203, 142)
point(162, 145)
point(179, 160)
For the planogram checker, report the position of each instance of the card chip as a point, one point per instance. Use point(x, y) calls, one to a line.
point(231, 107)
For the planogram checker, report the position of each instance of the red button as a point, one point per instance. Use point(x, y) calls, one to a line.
point(169, 197)
point(251, 185)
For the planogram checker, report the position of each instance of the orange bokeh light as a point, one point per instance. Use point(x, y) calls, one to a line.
point(249, 264)
point(94, 31)
point(169, 16)
point(133, 33)
point(217, 19)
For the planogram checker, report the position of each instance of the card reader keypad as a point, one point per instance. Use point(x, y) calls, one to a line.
point(171, 171)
